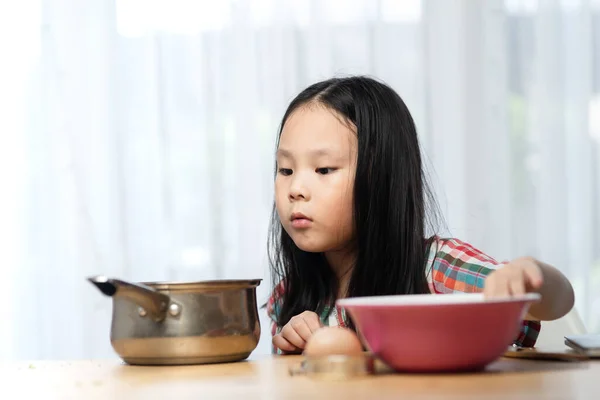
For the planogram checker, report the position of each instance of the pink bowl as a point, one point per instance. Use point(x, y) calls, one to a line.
point(436, 333)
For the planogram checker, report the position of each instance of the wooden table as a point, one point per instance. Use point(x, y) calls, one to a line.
point(268, 378)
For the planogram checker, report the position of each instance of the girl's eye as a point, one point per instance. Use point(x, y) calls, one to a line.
point(285, 171)
point(325, 171)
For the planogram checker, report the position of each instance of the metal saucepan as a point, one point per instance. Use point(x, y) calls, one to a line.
point(164, 323)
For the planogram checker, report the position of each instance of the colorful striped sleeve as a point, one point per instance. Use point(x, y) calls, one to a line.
point(457, 267)
point(273, 307)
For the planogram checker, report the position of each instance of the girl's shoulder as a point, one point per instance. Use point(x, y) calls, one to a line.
point(454, 265)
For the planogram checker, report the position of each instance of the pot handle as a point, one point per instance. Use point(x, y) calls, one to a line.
point(154, 302)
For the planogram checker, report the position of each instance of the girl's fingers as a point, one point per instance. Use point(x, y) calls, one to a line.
point(492, 286)
point(292, 336)
point(301, 327)
point(281, 343)
point(312, 320)
point(513, 280)
point(534, 277)
point(516, 286)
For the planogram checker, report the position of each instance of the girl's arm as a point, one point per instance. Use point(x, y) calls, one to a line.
point(454, 266)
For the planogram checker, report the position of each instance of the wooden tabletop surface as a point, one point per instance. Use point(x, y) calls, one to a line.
point(267, 377)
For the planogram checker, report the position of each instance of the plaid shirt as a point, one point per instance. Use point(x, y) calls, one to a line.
point(452, 266)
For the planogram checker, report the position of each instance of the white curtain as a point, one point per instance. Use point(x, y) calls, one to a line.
point(137, 138)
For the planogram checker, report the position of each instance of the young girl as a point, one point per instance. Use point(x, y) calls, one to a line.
point(350, 217)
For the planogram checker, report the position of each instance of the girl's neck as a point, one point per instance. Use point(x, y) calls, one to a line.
point(341, 263)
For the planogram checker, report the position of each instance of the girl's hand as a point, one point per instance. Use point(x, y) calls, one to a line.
point(520, 276)
point(295, 334)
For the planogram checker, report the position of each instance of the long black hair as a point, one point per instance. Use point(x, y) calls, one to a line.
point(392, 201)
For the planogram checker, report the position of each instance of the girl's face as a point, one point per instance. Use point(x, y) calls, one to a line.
point(316, 165)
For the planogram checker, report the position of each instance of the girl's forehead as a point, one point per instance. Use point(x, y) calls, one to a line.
point(316, 126)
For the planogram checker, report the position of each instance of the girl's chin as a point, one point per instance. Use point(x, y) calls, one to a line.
point(311, 246)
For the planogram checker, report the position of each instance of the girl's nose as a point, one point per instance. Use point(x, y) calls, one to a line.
point(298, 191)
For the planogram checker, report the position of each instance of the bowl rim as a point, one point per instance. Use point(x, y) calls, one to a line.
point(433, 300)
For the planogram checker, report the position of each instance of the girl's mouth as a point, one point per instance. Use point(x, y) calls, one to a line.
point(300, 220)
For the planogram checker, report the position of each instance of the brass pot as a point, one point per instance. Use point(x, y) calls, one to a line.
point(163, 323)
